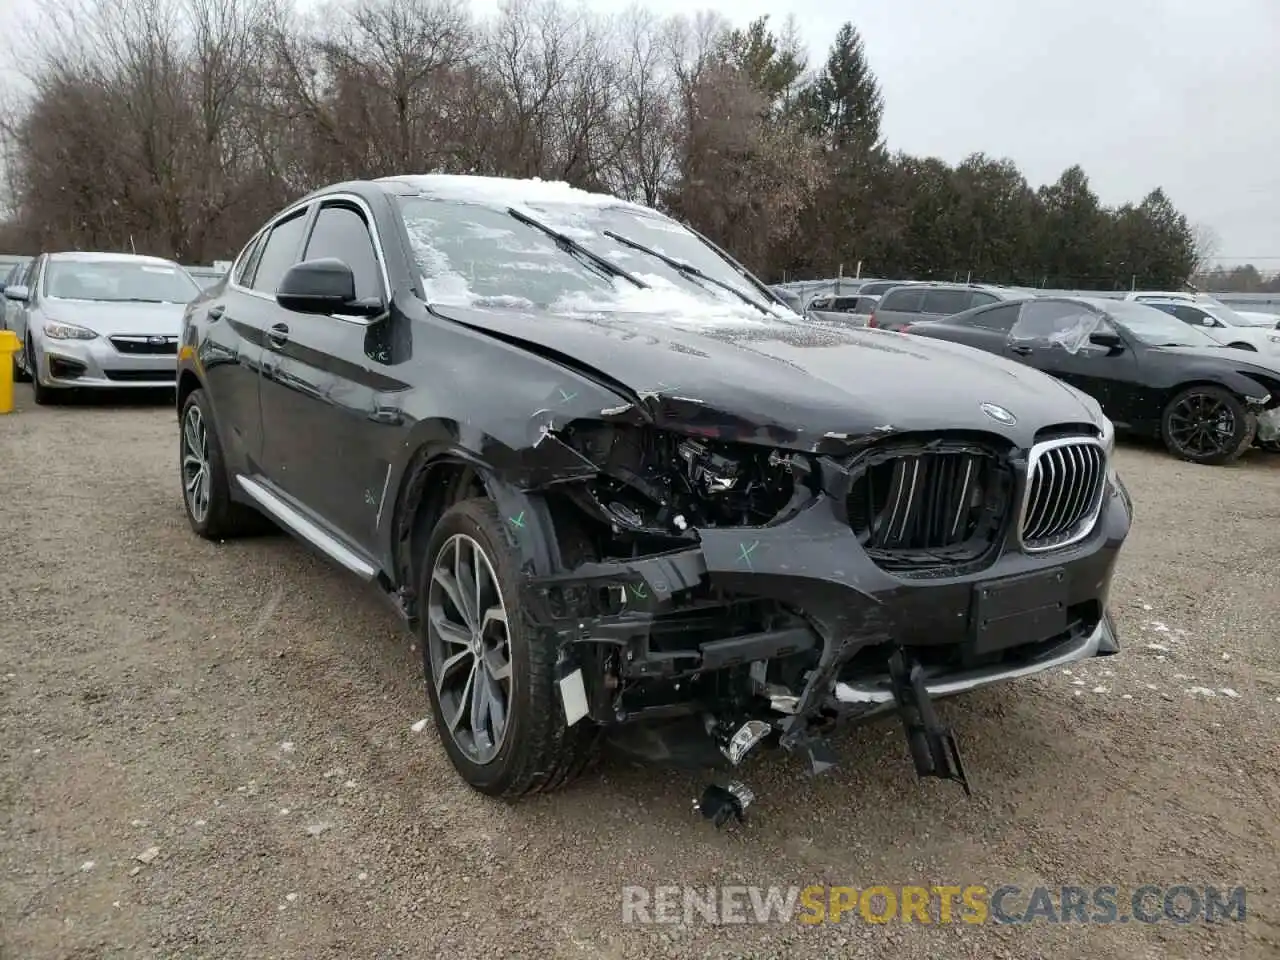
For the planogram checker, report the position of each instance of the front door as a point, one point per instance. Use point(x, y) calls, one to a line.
point(322, 416)
point(1053, 336)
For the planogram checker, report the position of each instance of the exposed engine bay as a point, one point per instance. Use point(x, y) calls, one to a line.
point(657, 483)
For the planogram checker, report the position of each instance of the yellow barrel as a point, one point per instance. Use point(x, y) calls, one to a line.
point(9, 345)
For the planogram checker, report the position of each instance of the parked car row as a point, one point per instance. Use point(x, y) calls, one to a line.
point(1153, 366)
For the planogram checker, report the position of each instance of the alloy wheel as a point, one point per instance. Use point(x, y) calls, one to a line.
point(1202, 425)
point(469, 645)
point(195, 463)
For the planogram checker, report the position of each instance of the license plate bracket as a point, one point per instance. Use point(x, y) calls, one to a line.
point(1018, 609)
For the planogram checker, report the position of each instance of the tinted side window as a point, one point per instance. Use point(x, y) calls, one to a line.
point(279, 253)
point(947, 302)
point(903, 300)
point(981, 299)
point(999, 319)
point(242, 269)
point(340, 231)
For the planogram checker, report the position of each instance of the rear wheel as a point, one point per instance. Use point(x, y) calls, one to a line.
point(490, 671)
point(1207, 424)
point(206, 487)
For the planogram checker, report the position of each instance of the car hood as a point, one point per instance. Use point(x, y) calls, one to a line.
point(794, 383)
point(108, 318)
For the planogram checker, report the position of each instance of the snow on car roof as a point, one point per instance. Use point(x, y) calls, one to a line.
point(504, 191)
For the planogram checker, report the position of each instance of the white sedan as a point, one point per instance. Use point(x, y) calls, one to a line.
point(1255, 332)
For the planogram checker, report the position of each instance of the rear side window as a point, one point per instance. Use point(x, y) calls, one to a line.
point(998, 319)
point(981, 299)
point(947, 302)
point(903, 300)
point(279, 253)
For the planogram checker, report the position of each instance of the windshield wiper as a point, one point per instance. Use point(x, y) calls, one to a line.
point(686, 269)
point(574, 248)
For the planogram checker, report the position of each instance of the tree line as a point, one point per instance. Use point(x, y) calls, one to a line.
point(1240, 279)
point(176, 127)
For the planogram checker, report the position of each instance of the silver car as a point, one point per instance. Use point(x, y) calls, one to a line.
point(99, 320)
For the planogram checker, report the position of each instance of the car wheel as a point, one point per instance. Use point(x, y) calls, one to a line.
point(44, 396)
point(1207, 424)
point(490, 672)
point(206, 488)
point(19, 372)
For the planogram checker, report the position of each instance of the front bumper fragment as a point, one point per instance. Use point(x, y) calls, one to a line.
point(870, 696)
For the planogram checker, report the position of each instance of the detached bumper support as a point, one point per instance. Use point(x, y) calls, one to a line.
point(933, 746)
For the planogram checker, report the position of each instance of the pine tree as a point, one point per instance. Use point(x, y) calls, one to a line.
point(844, 102)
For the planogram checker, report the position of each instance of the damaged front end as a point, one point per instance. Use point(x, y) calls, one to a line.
point(714, 594)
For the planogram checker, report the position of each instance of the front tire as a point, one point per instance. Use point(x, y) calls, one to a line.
point(206, 487)
point(43, 396)
point(1207, 424)
point(489, 669)
point(19, 374)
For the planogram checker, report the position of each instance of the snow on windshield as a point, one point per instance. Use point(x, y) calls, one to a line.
point(477, 254)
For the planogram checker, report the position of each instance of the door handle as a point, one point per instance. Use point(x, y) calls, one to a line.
point(1021, 351)
point(215, 313)
point(278, 335)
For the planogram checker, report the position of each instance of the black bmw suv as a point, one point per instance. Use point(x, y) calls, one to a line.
point(623, 492)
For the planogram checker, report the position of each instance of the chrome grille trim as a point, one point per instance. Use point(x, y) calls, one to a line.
point(1062, 499)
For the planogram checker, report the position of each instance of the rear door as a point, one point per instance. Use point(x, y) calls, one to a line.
point(320, 403)
point(239, 316)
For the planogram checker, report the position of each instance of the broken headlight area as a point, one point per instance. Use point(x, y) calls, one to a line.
point(656, 483)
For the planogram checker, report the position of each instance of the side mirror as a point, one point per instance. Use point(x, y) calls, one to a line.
point(17, 292)
point(1101, 338)
point(324, 286)
point(1207, 322)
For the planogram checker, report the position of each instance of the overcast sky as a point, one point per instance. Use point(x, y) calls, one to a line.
point(1183, 94)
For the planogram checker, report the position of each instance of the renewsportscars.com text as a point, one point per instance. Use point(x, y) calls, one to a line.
point(969, 904)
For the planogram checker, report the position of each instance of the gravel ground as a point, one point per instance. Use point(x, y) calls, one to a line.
point(239, 717)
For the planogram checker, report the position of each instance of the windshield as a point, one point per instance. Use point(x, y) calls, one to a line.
point(1155, 327)
point(477, 255)
point(118, 281)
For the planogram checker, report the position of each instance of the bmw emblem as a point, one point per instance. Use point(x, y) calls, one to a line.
point(999, 414)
